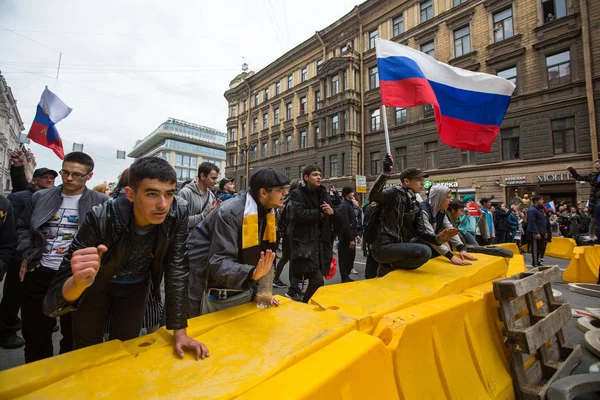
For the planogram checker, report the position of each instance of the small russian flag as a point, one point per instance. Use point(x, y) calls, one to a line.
point(50, 111)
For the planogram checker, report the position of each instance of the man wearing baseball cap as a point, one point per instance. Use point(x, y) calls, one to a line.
point(43, 178)
point(235, 245)
point(227, 189)
point(401, 222)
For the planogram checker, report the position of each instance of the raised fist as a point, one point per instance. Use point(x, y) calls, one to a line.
point(388, 163)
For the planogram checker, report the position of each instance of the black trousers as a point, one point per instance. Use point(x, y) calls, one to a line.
point(37, 327)
point(11, 300)
point(346, 256)
point(536, 249)
point(315, 281)
point(372, 266)
point(126, 305)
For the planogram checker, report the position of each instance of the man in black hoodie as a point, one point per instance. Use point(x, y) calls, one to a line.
point(348, 235)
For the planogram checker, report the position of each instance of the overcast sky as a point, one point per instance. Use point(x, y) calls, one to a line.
point(128, 65)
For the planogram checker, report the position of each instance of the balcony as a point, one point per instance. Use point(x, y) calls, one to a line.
point(349, 96)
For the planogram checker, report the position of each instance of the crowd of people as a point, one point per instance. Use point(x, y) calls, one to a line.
point(108, 264)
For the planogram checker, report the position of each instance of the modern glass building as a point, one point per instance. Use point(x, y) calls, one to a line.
point(185, 146)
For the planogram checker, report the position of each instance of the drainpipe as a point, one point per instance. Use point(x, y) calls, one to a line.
point(587, 67)
point(362, 92)
point(323, 43)
point(248, 133)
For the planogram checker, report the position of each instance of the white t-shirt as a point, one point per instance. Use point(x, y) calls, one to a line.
point(59, 232)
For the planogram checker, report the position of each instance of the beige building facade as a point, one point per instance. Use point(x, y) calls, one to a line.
point(320, 102)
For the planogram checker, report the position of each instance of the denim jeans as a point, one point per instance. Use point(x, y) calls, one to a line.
point(395, 256)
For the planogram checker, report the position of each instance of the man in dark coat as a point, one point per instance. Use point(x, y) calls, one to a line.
point(536, 228)
point(348, 234)
point(312, 238)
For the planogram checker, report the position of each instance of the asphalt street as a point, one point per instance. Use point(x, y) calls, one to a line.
point(13, 358)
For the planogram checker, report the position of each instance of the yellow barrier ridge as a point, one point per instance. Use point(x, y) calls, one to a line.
point(584, 265)
point(448, 348)
point(561, 248)
point(368, 301)
point(356, 366)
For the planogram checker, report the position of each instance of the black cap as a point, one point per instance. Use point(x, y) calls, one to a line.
point(42, 171)
point(267, 178)
point(347, 190)
point(224, 182)
point(412, 173)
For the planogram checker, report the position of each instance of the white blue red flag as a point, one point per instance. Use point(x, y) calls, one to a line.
point(468, 106)
point(50, 111)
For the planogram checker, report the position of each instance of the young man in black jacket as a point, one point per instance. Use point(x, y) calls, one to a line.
point(348, 234)
point(137, 237)
point(46, 229)
point(312, 238)
point(402, 222)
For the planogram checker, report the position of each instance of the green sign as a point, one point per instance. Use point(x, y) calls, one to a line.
point(427, 184)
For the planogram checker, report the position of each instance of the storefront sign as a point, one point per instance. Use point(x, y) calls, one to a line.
point(448, 182)
point(555, 177)
point(515, 180)
point(361, 184)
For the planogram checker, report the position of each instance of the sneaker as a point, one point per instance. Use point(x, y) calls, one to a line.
point(489, 250)
point(12, 341)
point(354, 272)
point(542, 260)
point(295, 297)
point(277, 283)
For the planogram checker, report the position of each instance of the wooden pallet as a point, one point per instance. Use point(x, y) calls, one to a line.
point(533, 321)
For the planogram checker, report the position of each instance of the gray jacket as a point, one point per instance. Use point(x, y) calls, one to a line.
point(215, 250)
point(41, 207)
point(198, 205)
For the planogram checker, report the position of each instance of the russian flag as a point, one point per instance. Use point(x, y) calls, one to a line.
point(468, 106)
point(50, 111)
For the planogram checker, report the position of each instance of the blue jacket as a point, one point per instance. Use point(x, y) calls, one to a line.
point(536, 221)
point(513, 221)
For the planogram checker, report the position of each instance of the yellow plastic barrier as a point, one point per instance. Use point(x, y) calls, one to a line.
point(510, 246)
point(357, 366)
point(368, 301)
point(244, 352)
point(584, 265)
point(516, 265)
point(448, 348)
point(561, 248)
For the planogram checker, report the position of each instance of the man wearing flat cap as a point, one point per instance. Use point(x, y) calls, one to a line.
point(235, 245)
point(401, 222)
point(226, 189)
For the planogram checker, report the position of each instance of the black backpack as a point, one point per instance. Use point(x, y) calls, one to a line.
point(372, 222)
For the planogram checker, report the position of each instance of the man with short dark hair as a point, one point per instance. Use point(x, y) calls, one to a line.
point(121, 247)
point(485, 226)
point(227, 189)
point(312, 237)
point(348, 234)
point(10, 323)
point(199, 196)
point(536, 228)
point(235, 245)
point(402, 222)
point(46, 230)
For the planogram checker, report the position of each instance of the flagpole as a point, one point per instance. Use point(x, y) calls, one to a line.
point(385, 131)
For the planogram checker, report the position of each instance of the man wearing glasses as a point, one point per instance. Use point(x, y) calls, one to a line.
point(235, 245)
point(46, 230)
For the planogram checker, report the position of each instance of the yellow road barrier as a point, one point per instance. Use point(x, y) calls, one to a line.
point(244, 352)
point(357, 366)
point(561, 248)
point(448, 348)
point(368, 301)
point(584, 265)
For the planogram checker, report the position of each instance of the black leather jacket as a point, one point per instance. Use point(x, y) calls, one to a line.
point(402, 219)
point(111, 224)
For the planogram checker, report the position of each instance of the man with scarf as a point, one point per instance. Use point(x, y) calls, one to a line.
point(402, 222)
point(436, 220)
point(235, 245)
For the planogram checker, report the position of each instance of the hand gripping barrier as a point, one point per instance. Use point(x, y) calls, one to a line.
point(356, 366)
point(584, 265)
point(368, 301)
point(561, 248)
point(448, 348)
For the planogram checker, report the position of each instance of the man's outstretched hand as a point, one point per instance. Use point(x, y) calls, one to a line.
point(264, 264)
point(184, 342)
point(446, 235)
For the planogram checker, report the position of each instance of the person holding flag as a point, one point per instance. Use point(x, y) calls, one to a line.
point(50, 111)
